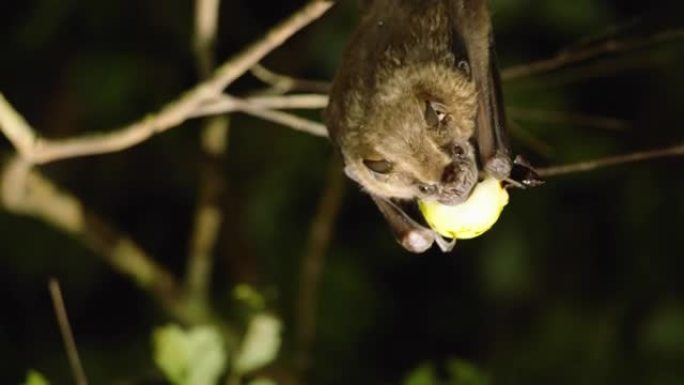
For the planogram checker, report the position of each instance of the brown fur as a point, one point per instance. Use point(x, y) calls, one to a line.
point(401, 57)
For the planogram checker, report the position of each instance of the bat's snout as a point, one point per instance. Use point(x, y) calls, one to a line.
point(458, 180)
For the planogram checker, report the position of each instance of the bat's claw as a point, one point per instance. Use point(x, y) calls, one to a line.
point(445, 245)
point(523, 175)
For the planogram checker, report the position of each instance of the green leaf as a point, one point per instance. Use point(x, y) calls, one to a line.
point(261, 343)
point(458, 372)
point(422, 375)
point(250, 296)
point(35, 378)
point(464, 373)
point(193, 357)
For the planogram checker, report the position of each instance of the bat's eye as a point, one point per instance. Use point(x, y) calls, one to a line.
point(381, 166)
point(434, 113)
point(427, 189)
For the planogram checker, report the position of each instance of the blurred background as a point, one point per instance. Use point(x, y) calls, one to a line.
point(580, 282)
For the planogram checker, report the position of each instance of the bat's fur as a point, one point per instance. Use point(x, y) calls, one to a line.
point(404, 55)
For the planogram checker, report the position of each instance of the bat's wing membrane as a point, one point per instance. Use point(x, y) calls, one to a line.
point(473, 39)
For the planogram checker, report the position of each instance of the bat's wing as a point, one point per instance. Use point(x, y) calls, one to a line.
point(413, 236)
point(472, 44)
point(473, 40)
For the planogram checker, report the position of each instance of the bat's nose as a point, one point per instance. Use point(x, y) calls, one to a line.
point(451, 174)
point(457, 182)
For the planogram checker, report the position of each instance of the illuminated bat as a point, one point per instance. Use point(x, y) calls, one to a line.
point(416, 109)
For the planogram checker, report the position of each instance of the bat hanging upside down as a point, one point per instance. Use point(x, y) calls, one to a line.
point(416, 110)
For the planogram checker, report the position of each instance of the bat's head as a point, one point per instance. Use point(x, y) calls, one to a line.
point(414, 139)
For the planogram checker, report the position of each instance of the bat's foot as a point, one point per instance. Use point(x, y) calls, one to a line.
point(523, 175)
point(445, 245)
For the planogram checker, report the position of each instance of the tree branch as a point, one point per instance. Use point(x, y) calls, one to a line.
point(67, 334)
point(281, 84)
point(24, 191)
point(206, 24)
point(285, 119)
point(224, 105)
point(591, 165)
point(565, 58)
point(36, 149)
point(559, 117)
point(209, 214)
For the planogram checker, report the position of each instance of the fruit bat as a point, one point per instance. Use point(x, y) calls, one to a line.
point(416, 109)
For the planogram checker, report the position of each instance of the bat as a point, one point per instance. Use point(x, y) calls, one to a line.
point(416, 109)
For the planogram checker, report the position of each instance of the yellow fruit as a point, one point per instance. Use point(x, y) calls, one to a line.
point(470, 218)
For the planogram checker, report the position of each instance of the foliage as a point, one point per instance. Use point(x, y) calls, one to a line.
point(457, 372)
point(260, 345)
point(35, 378)
point(189, 357)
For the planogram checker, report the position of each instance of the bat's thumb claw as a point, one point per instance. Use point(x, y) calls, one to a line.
point(523, 175)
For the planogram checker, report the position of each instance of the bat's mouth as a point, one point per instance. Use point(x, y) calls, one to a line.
point(458, 181)
point(412, 230)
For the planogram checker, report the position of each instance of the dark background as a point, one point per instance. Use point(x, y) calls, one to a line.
point(580, 282)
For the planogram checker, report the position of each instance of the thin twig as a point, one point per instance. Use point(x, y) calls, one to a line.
point(206, 24)
point(282, 84)
point(224, 105)
point(528, 139)
point(67, 334)
point(37, 149)
point(558, 117)
point(608, 32)
point(313, 261)
point(15, 127)
point(606, 67)
point(283, 118)
point(591, 165)
point(565, 58)
point(209, 214)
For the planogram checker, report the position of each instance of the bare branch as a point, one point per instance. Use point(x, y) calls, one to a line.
point(67, 334)
point(591, 165)
point(223, 105)
point(285, 119)
point(559, 117)
point(25, 191)
point(40, 150)
point(313, 261)
point(215, 132)
point(234, 68)
point(17, 130)
point(528, 139)
point(565, 58)
point(206, 24)
point(282, 84)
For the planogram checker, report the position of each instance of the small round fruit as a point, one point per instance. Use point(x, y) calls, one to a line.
point(470, 218)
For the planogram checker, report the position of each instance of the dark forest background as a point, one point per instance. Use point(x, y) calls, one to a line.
point(580, 282)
